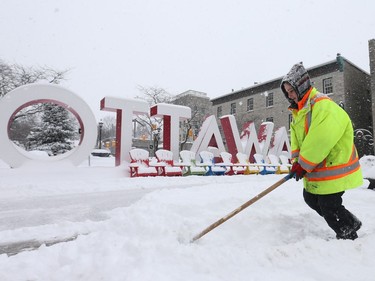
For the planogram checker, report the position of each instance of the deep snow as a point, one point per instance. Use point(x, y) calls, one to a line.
point(140, 228)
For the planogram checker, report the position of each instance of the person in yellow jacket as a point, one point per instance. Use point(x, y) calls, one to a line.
point(323, 151)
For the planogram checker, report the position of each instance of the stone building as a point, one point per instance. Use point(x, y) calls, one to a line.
point(372, 73)
point(343, 81)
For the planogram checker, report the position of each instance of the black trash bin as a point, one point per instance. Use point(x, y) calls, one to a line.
point(372, 183)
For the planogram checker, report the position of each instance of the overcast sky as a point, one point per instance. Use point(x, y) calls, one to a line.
point(212, 46)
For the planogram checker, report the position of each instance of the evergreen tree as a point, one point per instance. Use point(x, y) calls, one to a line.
point(56, 133)
point(13, 76)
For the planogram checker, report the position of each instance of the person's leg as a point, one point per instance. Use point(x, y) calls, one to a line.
point(344, 223)
point(312, 201)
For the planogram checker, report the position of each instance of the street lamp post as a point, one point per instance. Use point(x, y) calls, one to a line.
point(100, 134)
point(156, 133)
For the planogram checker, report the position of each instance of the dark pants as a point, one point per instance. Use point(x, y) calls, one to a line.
point(331, 209)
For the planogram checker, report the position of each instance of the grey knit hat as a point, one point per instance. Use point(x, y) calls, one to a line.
point(299, 79)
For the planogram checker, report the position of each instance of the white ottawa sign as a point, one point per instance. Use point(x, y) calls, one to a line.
point(27, 95)
point(209, 134)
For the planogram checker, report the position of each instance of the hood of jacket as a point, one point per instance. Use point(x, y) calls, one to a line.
point(299, 79)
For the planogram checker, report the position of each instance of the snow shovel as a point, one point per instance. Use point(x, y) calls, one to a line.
point(242, 207)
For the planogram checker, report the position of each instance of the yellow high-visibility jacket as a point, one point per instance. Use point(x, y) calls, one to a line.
point(322, 141)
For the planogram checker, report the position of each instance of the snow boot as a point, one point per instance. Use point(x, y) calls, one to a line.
point(351, 233)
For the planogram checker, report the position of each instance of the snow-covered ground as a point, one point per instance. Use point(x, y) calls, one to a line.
point(140, 228)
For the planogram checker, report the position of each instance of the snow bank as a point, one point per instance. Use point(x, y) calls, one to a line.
point(277, 238)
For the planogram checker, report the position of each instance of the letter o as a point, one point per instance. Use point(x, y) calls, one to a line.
point(24, 96)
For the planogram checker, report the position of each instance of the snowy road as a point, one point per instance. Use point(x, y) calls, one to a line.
point(64, 205)
point(49, 210)
point(28, 212)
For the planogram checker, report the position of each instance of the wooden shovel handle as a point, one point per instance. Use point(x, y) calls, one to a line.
point(242, 207)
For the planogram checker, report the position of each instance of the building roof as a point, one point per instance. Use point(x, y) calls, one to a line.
point(192, 93)
point(315, 71)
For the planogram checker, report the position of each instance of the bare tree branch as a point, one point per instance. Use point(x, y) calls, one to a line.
point(14, 75)
point(154, 95)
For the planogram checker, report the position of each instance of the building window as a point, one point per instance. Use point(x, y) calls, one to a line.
point(327, 86)
point(219, 111)
point(269, 99)
point(233, 108)
point(250, 104)
point(269, 119)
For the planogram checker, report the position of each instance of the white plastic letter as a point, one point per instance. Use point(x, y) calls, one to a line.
point(209, 135)
point(280, 142)
point(232, 136)
point(24, 96)
point(124, 108)
point(264, 137)
point(172, 114)
point(249, 136)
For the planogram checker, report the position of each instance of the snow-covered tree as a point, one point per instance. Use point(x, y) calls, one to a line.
point(56, 133)
point(13, 76)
